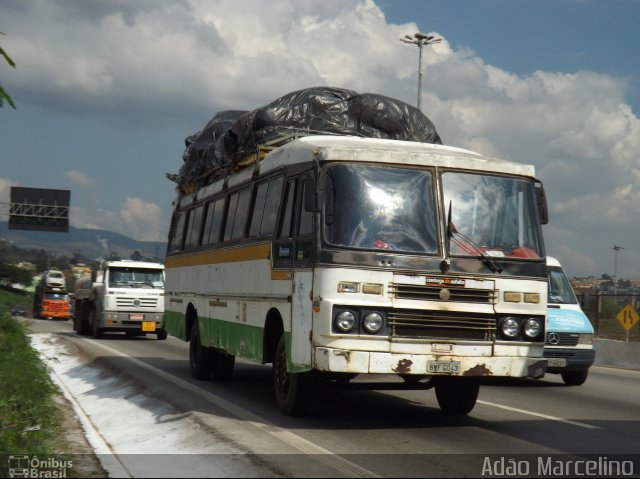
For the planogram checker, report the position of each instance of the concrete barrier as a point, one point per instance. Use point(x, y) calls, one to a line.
point(621, 354)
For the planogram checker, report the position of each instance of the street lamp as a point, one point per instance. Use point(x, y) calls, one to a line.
point(420, 39)
point(615, 249)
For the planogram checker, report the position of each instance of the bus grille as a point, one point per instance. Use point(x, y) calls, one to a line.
point(432, 293)
point(421, 324)
point(124, 302)
point(562, 339)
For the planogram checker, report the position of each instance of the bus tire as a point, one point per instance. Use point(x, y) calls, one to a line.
point(457, 396)
point(293, 391)
point(200, 358)
point(223, 366)
point(161, 334)
point(575, 378)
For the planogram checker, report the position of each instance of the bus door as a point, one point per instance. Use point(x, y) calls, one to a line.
point(293, 249)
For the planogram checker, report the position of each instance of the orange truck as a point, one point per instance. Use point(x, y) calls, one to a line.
point(51, 301)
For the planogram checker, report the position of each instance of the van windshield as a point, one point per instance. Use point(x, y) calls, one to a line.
point(560, 291)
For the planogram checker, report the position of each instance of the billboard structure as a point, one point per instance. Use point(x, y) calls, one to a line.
point(39, 209)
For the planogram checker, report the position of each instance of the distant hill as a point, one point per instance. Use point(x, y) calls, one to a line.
point(86, 242)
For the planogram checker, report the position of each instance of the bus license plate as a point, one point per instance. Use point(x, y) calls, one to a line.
point(556, 363)
point(148, 326)
point(450, 367)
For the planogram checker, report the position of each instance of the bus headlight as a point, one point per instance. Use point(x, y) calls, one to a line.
point(345, 321)
point(373, 322)
point(532, 328)
point(509, 327)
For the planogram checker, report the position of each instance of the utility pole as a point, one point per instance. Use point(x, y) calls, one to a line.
point(615, 249)
point(420, 39)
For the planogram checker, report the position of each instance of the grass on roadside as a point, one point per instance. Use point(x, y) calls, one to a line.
point(29, 419)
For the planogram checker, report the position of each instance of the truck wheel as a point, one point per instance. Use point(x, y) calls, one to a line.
point(575, 378)
point(96, 332)
point(84, 328)
point(200, 358)
point(293, 391)
point(457, 396)
point(161, 334)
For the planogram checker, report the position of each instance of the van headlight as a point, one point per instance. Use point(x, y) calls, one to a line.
point(585, 338)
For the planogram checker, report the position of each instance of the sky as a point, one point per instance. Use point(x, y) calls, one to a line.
point(107, 91)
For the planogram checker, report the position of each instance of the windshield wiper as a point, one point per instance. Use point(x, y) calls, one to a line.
point(468, 246)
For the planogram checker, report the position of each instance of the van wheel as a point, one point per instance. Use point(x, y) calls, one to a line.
point(575, 378)
point(161, 334)
point(292, 390)
point(200, 358)
point(457, 396)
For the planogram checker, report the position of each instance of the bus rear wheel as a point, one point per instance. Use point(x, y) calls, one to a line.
point(457, 396)
point(200, 358)
point(293, 391)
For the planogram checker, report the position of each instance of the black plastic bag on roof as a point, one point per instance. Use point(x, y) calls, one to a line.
point(199, 155)
point(233, 136)
point(326, 110)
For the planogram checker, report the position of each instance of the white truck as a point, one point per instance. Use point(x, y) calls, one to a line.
point(121, 296)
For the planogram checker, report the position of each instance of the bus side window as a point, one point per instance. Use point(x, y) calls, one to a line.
point(237, 214)
point(287, 217)
point(177, 232)
point(213, 223)
point(193, 229)
point(265, 208)
point(283, 248)
point(258, 209)
point(304, 236)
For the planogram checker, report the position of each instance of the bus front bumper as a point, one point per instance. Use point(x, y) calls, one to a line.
point(366, 362)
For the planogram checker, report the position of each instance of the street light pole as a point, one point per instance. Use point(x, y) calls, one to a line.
point(420, 39)
point(615, 248)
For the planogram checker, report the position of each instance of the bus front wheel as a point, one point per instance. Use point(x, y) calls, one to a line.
point(293, 390)
point(457, 395)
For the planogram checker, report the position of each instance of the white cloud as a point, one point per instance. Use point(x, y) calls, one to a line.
point(141, 63)
point(136, 219)
point(78, 178)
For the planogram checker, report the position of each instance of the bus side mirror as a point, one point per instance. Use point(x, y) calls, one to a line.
point(542, 203)
point(310, 198)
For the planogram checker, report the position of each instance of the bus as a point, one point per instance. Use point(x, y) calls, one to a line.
point(338, 256)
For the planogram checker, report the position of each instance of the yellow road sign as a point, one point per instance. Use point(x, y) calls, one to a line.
point(628, 317)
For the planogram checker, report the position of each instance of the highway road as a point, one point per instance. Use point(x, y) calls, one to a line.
point(354, 432)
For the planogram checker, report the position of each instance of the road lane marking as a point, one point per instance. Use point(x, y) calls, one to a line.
point(537, 414)
point(348, 468)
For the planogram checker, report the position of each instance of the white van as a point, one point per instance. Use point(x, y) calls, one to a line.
point(569, 334)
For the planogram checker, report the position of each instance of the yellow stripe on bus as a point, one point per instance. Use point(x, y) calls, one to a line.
point(227, 255)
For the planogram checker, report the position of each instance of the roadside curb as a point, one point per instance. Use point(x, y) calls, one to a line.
point(621, 354)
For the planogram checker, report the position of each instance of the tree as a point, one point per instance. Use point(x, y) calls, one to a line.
point(4, 96)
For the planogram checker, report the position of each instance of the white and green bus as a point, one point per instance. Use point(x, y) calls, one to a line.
point(338, 256)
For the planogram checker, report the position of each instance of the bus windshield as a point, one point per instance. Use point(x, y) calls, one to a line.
point(492, 215)
point(380, 208)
